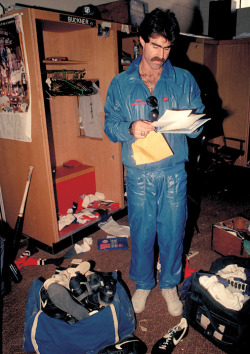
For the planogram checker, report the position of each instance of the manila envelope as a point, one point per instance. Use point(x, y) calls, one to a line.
point(151, 149)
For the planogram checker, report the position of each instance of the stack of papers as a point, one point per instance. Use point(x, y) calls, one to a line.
point(182, 122)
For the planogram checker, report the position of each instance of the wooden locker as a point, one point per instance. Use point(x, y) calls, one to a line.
point(55, 127)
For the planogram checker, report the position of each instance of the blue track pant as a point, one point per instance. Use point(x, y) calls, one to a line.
point(156, 206)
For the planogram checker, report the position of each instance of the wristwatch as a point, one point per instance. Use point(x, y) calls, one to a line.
point(130, 129)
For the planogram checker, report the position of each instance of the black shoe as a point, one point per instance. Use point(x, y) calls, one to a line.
point(128, 345)
point(174, 336)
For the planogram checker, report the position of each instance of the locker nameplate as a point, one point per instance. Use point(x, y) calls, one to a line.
point(78, 20)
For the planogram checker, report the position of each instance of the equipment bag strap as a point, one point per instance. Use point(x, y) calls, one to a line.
point(33, 332)
point(113, 311)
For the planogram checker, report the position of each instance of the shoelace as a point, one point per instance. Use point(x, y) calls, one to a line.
point(168, 337)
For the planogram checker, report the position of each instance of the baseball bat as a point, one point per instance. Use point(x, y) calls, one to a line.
point(14, 272)
point(19, 223)
point(10, 270)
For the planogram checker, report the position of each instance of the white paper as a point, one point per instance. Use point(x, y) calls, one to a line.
point(113, 228)
point(179, 122)
point(170, 117)
point(189, 130)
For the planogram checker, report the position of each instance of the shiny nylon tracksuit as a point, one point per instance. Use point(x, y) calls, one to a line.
point(156, 191)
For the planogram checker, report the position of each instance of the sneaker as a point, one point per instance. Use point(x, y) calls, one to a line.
point(174, 336)
point(128, 345)
point(139, 300)
point(172, 299)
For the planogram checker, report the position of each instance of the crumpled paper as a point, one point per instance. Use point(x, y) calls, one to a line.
point(114, 229)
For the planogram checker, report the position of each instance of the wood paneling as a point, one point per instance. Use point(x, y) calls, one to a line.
point(233, 73)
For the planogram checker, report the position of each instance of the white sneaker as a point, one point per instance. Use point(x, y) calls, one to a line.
point(175, 306)
point(166, 344)
point(139, 300)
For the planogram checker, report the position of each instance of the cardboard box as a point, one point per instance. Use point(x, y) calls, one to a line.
point(225, 241)
point(123, 11)
point(71, 183)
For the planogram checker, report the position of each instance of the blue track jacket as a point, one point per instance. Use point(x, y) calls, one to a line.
point(126, 102)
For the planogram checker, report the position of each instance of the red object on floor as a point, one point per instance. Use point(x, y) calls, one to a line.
point(71, 183)
point(25, 261)
point(188, 271)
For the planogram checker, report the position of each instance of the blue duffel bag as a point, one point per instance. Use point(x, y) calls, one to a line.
point(46, 335)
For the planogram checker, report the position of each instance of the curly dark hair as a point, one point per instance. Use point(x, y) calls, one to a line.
point(159, 22)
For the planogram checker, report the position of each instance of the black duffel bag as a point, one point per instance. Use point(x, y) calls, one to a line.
point(228, 329)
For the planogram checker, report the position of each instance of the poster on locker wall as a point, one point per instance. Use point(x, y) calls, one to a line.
point(15, 100)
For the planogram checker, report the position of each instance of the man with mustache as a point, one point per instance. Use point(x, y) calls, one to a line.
point(156, 191)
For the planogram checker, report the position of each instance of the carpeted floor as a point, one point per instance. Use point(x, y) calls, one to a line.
point(215, 205)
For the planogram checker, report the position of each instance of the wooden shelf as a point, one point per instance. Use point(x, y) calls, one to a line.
point(64, 62)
